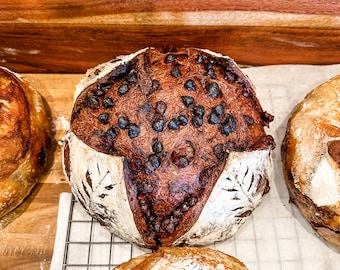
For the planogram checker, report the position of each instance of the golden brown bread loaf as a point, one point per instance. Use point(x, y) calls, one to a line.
point(189, 258)
point(25, 139)
point(311, 159)
point(168, 147)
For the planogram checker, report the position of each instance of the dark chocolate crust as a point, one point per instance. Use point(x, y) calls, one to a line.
point(175, 116)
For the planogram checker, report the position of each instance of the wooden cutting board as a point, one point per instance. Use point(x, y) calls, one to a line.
point(58, 37)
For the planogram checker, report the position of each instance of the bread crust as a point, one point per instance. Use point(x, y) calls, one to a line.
point(310, 158)
point(183, 258)
point(25, 139)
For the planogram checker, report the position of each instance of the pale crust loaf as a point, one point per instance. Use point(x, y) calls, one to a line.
point(183, 258)
point(25, 139)
point(310, 154)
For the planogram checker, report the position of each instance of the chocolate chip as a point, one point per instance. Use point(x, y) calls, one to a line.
point(158, 125)
point(219, 151)
point(152, 164)
point(106, 86)
point(211, 73)
point(103, 118)
point(182, 120)
point(160, 107)
point(132, 77)
point(199, 59)
point(208, 65)
point(249, 120)
point(145, 107)
point(229, 125)
point(123, 122)
point(214, 118)
point(175, 72)
point(213, 90)
point(216, 113)
point(93, 102)
point(179, 161)
point(230, 76)
point(133, 131)
point(120, 71)
point(219, 110)
point(123, 89)
point(99, 93)
point(187, 100)
point(157, 147)
point(190, 85)
point(108, 103)
point(198, 111)
point(205, 176)
point(173, 124)
point(111, 134)
point(183, 162)
point(170, 58)
point(155, 85)
point(183, 154)
point(197, 121)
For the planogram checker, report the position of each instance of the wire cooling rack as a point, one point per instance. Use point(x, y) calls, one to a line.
point(90, 246)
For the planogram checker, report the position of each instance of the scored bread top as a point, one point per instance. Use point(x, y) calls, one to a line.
point(174, 116)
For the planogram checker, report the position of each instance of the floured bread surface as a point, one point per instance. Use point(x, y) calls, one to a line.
point(25, 139)
point(311, 157)
point(188, 258)
point(186, 128)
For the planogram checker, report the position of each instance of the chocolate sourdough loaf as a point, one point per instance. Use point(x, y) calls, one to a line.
point(168, 148)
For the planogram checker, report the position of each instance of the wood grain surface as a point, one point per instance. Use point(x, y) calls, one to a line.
point(27, 234)
point(58, 37)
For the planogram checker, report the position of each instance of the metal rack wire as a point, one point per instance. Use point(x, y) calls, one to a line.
point(95, 249)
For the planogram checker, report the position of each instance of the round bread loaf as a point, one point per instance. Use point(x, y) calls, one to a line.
point(25, 139)
point(311, 159)
point(168, 148)
point(188, 258)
